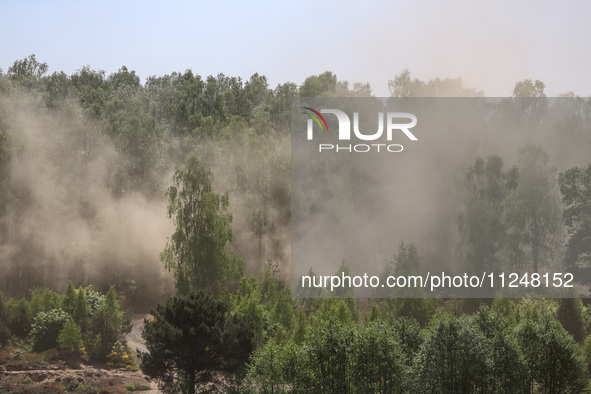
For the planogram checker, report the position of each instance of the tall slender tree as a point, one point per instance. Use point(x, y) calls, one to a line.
point(198, 251)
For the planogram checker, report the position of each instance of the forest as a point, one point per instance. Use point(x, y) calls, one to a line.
point(173, 197)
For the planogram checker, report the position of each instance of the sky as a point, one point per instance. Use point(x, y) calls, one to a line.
point(491, 45)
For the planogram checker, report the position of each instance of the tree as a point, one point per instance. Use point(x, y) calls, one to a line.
point(453, 358)
point(404, 86)
point(70, 337)
point(57, 88)
point(536, 208)
point(553, 358)
point(321, 85)
point(124, 79)
point(188, 338)
point(198, 252)
point(44, 300)
point(575, 186)
point(4, 330)
point(483, 224)
point(378, 358)
point(409, 302)
point(331, 353)
point(527, 88)
point(27, 71)
point(570, 315)
point(19, 316)
point(469, 354)
point(46, 328)
point(106, 323)
point(69, 299)
point(530, 100)
point(130, 122)
point(81, 310)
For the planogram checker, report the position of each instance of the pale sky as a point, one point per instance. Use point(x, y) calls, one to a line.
point(491, 44)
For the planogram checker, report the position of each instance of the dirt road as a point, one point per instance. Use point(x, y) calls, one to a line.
point(134, 338)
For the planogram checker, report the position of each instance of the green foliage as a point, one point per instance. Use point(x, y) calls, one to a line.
point(81, 311)
point(19, 316)
point(70, 337)
point(483, 224)
point(331, 349)
point(404, 86)
point(198, 251)
point(94, 298)
point(123, 79)
point(188, 337)
point(534, 309)
point(575, 186)
point(553, 358)
point(131, 124)
point(27, 72)
point(266, 367)
point(570, 315)
point(505, 307)
point(379, 361)
point(320, 347)
point(407, 302)
point(5, 172)
point(92, 90)
point(323, 85)
point(95, 345)
point(452, 359)
point(466, 353)
point(44, 300)
point(408, 335)
point(338, 309)
point(247, 303)
point(267, 304)
point(508, 365)
point(4, 330)
point(46, 328)
point(69, 299)
point(119, 358)
point(57, 89)
point(106, 323)
point(282, 314)
point(587, 352)
point(535, 211)
point(527, 88)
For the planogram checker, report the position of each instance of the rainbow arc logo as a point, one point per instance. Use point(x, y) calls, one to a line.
point(315, 115)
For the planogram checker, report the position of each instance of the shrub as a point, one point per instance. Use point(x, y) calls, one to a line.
point(46, 328)
point(4, 330)
point(19, 316)
point(70, 337)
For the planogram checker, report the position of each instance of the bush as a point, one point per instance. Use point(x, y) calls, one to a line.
point(46, 328)
point(70, 337)
point(4, 330)
point(119, 358)
point(19, 316)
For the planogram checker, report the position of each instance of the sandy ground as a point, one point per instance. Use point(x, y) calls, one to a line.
point(135, 342)
point(134, 338)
